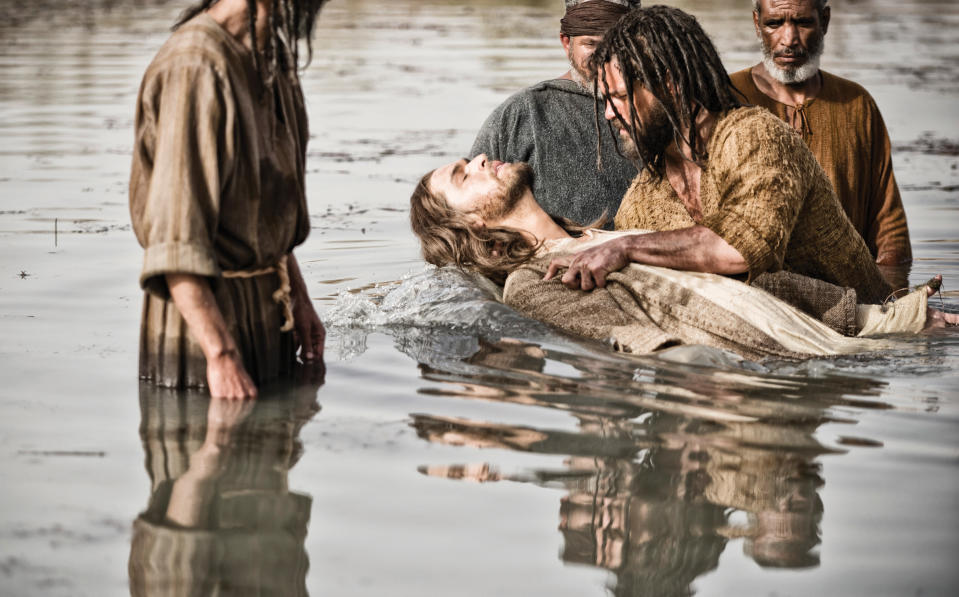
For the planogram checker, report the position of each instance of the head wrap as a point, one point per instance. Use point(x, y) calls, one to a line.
point(592, 17)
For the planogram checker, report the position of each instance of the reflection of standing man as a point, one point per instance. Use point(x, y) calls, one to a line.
point(222, 519)
point(551, 126)
point(838, 120)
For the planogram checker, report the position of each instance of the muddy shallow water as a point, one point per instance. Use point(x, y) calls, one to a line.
point(452, 448)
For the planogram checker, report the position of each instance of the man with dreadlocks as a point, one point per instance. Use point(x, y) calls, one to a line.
point(730, 189)
point(217, 198)
point(481, 216)
point(837, 119)
point(550, 126)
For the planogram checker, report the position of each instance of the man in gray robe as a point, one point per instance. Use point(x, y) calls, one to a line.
point(551, 126)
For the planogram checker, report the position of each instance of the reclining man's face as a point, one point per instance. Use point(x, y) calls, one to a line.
point(488, 189)
point(655, 131)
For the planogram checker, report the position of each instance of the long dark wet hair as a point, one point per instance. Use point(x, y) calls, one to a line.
point(291, 21)
point(666, 51)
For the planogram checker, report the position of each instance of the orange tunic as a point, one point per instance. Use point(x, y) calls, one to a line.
point(845, 131)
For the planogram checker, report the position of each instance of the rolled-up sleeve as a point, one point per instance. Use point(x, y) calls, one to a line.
point(186, 146)
point(761, 189)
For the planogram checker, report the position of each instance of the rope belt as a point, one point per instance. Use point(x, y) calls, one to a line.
point(281, 295)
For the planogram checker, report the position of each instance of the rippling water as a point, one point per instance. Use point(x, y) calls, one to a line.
point(453, 447)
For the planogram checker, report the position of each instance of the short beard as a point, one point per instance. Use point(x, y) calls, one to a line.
point(579, 78)
point(799, 74)
point(513, 189)
point(657, 133)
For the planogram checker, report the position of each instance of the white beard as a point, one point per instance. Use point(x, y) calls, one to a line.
point(790, 76)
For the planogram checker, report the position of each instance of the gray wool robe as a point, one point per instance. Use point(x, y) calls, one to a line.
point(551, 126)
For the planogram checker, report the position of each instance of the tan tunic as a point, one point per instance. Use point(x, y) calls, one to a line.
point(764, 193)
point(845, 131)
point(217, 184)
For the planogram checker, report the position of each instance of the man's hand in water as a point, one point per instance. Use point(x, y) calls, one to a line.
point(224, 368)
point(588, 269)
point(935, 318)
point(307, 327)
point(309, 330)
point(228, 379)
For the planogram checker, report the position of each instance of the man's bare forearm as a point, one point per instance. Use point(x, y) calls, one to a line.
point(225, 373)
point(194, 299)
point(297, 283)
point(696, 248)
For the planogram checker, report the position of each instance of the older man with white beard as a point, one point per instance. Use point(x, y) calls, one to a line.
point(837, 119)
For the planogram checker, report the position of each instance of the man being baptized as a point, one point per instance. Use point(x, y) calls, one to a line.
point(481, 216)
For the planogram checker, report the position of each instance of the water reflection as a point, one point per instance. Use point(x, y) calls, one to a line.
point(660, 476)
point(221, 517)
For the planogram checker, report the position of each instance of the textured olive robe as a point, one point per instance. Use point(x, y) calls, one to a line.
point(217, 184)
point(763, 192)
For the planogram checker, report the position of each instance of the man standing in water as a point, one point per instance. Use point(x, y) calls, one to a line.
point(837, 119)
point(218, 202)
point(730, 189)
point(551, 126)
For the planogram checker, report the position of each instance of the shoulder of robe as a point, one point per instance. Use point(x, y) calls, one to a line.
point(741, 131)
point(534, 95)
point(740, 76)
point(844, 89)
point(199, 47)
point(744, 87)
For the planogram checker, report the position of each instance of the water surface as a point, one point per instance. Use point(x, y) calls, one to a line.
point(452, 447)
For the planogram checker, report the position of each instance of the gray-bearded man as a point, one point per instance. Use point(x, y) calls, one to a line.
point(551, 126)
point(837, 119)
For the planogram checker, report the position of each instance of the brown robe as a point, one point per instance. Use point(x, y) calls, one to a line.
point(217, 184)
point(844, 130)
point(763, 192)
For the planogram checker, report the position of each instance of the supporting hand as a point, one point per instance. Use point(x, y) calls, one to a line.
point(588, 269)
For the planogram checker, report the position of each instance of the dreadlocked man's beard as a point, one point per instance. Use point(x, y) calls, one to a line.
point(798, 74)
point(514, 187)
point(657, 133)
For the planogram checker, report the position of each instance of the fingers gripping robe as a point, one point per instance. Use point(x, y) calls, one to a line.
point(588, 270)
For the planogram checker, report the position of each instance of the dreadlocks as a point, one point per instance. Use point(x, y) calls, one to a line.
point(666, 51)
point(290, 22)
